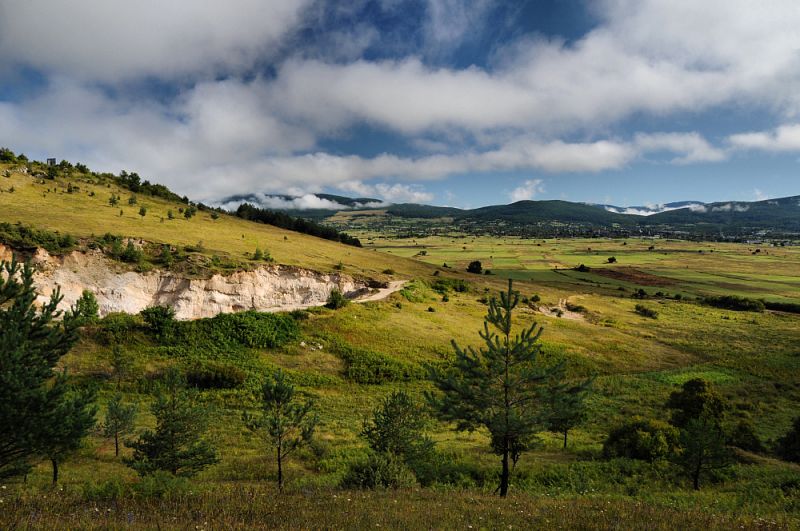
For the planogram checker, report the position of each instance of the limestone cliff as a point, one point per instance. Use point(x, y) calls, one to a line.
point(268, 288)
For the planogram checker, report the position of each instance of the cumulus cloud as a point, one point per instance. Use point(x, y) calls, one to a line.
point(690, 147)
point(116, 40)
point(649, 210)
point(527, 190)
point(220, 130)
point(783, 138)
point(303, 202)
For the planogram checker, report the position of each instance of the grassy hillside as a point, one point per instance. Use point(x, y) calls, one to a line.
point(751, 358)
point(79, 206)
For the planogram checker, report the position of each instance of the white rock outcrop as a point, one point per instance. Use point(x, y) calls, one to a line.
point(268, 288)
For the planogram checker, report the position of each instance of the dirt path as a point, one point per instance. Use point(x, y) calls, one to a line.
point(382, 293)
point(564, 312)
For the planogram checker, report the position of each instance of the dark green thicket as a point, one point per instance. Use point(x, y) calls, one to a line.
point(249, 329)
point(285, 221)
point(25, 238)
point(734, 302)
point(788, 446)
point(369, 367)
point(647, 440)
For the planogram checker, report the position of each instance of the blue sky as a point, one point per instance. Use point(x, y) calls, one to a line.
point(450, 102)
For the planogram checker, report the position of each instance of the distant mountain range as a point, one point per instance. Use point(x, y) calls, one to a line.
point(776, 217)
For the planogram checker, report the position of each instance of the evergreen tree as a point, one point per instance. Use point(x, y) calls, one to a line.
point(31, 343)
point(142, 212)
point(70, 422)
point(121, 364)
point(284, 423)
point(397, 427)
point(703, 448)
point(86, 309)
point(567, 405)
point(695, 398)
point(497, 387)
point(119, 420)
point(177, 444)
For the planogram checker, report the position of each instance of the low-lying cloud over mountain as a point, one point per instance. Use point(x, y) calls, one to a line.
point(649, 210)
point(303, 202)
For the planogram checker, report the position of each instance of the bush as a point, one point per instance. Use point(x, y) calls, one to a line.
point(131, 254)
point(644, 311)
point(249, 329)
point(790, 307)
point(788, 446)
point(475, 267)
point(117, 328)
point(647, 440)
point(445, 285)
point(336, 300)
point(575, 307)
point(159, 319)
point(735, 303)
point(379, 470)
point(743, 436)
point(368, 367)
point(215, 376)
point(86, 310)
point(161, 484)
point(28, 239)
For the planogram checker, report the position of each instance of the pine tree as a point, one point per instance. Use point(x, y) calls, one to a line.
point(397, 427)
point(86, 310)
point(70, 422)
point(31, 343)
point(702, 447)
point(121, 364)
point(497, 387)
point(119, 420)
point(142, 212)
point(567, 405)
point(177, 444)
point(284, 423)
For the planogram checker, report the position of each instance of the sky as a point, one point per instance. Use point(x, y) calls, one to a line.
point(450, 102)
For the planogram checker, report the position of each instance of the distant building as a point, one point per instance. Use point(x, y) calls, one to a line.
point(51, 162)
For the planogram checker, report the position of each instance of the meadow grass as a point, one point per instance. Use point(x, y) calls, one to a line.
point(751, 358)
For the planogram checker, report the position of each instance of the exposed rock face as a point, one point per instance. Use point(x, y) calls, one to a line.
point(269, 288)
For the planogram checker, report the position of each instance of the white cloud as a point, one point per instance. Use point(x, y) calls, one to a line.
point(730, 207)
point(114, 40)
point(783, 138)
point(759, 195)
point(527, 190)
point(302, 202)
point(690, 147)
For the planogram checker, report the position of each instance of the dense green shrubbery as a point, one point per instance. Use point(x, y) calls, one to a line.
point(790, 307)
point(734, 302)
point(445, 285)
point(336, 300)
point(215, 376)
point(641, 439)
point(249, 329)
point(29, 239)
point(369, 367)
point(645, 311)
point(379, 470)
point(118, 327)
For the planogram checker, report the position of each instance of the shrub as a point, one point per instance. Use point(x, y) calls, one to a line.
point(475, 267)
point(788, 446)
point(575, 307)
point(28, 239)
point(644, 311)
point(743, 436)
point(86, 309)
point(582, 268)
point(647, 440)
point(117, 328)
point(215, 376)
point(159, 319)
point(735, 303)
point(131, 254)
point(336, 300)
point(790, 307)
point(369, 367)
point(612, 259)
point(379, 470)
point(445, 285)
point(245, 329)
